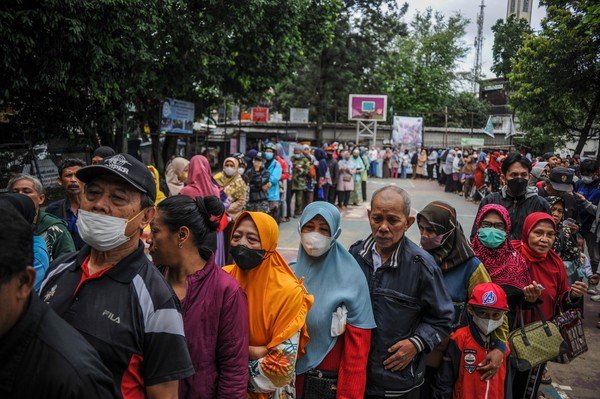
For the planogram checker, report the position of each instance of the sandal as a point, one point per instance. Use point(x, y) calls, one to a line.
point(546, 379)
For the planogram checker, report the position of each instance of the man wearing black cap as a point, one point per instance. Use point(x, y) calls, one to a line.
point(100, 153)
point(111, 293)
point(560, 184)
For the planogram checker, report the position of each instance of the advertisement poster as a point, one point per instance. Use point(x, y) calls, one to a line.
point(299, 115)
point(407, 132)
point(367, 107)
point(259, 114)
point(177, 117)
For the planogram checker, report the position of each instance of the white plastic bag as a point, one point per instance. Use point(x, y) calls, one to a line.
point(338, 321)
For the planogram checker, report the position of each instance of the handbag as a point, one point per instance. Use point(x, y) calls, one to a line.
point(535, 343)
point(320, 384)
point(347, 178)
point(570, 326)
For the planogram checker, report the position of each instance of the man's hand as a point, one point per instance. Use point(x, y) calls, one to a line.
point(491, 364)
point(578, 289)
point(403, 352)
point(532, 292)
point(257, 352)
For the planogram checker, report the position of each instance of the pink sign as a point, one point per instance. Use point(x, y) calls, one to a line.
point(260, 114)
point(369, 107)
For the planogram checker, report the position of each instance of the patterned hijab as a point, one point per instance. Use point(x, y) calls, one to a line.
point(505, 265)
point(454, 250)
point(225, 180)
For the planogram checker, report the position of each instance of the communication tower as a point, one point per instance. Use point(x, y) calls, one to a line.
point(478, 48)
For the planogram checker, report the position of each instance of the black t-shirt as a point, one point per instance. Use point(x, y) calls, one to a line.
point(44, 357)
point(129, 314)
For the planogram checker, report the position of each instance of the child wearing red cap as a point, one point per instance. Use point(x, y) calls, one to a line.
point(458, 377)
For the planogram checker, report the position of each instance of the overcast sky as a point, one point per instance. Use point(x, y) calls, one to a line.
point(494, 10)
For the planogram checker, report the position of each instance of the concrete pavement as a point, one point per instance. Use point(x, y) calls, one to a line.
point(578, 380)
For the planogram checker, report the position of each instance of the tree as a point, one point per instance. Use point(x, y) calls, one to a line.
point(509, 36)
point(556, 73)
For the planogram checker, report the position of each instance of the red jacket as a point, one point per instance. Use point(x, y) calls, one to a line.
point(284, 168)
point(458, 378)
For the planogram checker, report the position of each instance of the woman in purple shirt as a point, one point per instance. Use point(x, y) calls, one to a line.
point(214, 306)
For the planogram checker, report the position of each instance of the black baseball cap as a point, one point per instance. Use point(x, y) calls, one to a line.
point(127, 168)
point(561, 179)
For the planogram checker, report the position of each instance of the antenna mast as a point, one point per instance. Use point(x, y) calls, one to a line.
point(478, 48)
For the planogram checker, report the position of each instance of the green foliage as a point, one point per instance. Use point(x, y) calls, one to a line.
point(556, 73)
point(509, 36)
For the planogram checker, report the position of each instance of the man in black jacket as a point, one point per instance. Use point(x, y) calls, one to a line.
point(412, 308)
point(516, 196)
point(42, 355)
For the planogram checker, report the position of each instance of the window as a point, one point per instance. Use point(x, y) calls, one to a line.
point(512, 7)
point(525, 5)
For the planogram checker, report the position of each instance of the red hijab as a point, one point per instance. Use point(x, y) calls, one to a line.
point(200, 181)
point(494, 165)
point(505, 265)
point(546, 269)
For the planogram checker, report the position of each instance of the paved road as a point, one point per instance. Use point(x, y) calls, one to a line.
point(578, 380)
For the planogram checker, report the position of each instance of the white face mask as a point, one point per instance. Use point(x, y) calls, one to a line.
point(487, 326)
point(229, 171)
point(315, 244)
point(102, 232)
point(241, 171)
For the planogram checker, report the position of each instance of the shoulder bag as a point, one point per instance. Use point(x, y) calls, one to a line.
point(570, 326)
point(535, 343)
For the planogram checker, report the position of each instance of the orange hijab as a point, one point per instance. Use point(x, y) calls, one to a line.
point(277, 301)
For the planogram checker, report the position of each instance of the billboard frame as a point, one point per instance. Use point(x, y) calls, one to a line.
point(371, 100)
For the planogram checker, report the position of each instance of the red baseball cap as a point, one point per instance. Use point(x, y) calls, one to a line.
point(489, 295)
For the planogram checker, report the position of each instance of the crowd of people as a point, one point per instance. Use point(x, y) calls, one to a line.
point(137, 287)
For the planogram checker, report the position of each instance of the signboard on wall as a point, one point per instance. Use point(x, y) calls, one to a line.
point(471, 142)
point(259, 114)
point(367, 107)
point(299, 115)
point(177, 117)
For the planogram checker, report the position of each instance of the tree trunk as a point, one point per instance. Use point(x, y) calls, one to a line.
point(169, 148)
point(581, 142)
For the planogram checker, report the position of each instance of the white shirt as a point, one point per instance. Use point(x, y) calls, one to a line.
point(376, 259)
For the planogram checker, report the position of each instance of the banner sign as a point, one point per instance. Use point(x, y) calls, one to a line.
point(47, 172)
point(407, 132)
point(367, 107)
point(259, 114)
point(177, 117)
point(299, 115)
point(470, 142)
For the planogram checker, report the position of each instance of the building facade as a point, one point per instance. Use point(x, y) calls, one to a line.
point(520, 8)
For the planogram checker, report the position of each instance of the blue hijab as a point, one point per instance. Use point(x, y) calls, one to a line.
point(334, 278)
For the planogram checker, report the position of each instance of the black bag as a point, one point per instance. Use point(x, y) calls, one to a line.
point(320, 384)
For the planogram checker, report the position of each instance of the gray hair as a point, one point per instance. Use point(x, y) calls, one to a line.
point(37, 184)
point(397, 190)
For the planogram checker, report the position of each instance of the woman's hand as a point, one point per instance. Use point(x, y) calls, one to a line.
point(257, 352)
point(578, 289)
point(532, 292)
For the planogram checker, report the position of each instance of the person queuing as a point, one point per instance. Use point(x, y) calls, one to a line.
point(589, 188)
point(101, 153)
point(52, 229)
point(405, 284)
point(42, 355)
point(486, 313)
point(177, 175)
point(338, 344)
point(234, 186)
point(214, 307)
point(300, 169)
point(258, 181)
point(275, 171)
point(323, 176)
point(334, 171)
point(565, 244)
point(67, 209)
point(345, 183)
point(277, 305)
point(432, 160)
point(516, 196)
point(356, 193)
point(112, 294)
point(283, 183)
point(546, 268)
point(560, 184)
point(25, 206)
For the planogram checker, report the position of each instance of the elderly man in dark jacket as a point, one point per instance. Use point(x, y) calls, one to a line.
point(516, 196)
point(412, 308)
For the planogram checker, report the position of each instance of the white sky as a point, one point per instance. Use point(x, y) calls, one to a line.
point(494, 10)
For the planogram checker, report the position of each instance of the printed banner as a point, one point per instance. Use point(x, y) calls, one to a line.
point(407, 132)
point(177, 117)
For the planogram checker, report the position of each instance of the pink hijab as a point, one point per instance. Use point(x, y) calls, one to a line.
point(200, 181)
point(505, 265)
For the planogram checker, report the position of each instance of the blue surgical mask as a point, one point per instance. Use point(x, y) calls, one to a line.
point(268, 156)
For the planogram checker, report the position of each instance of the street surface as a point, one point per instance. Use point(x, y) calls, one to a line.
point(578, 380)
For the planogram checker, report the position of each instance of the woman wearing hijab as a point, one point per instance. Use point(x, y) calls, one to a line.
point(565, 244)
point(479, 174)
point(211, 300)
point(504, 264)
point(421, 162)
point(345, 184)
point(448, 171)
point(443, 237)
point(176, 175)
point(25, 206)
point(323, 175)
point(494, 170)
point(234, 186)
point(546, 267)
point(159, 194)
point(277, 305)
point(338, 343)
point(356, 194)
point(467, 176)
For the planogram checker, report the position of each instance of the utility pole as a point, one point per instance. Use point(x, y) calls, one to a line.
point(446, 126)
point(478, 48)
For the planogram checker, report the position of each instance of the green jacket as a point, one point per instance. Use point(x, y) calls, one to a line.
point(299, 175)
point(55, 233)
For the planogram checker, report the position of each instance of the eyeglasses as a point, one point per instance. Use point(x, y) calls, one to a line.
point(499, 225)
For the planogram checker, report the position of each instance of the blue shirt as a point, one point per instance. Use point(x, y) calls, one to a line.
point(275, 175)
